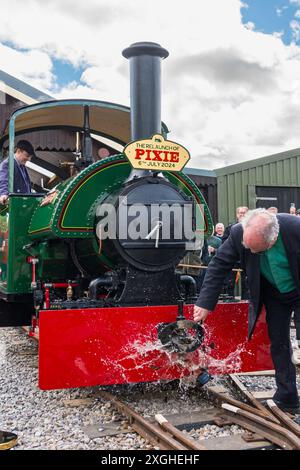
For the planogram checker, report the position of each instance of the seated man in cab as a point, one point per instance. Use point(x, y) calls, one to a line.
point(23, 153)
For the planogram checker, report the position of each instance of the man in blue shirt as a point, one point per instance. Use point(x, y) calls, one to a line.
point(23, 153)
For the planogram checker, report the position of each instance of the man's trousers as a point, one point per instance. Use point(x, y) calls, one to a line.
point(279, 308)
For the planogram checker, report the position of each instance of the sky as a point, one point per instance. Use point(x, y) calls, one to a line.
point(230, 86)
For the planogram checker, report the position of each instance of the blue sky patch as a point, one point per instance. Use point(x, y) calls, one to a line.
point(63, 71)
point(66, 73)
point(273, 16)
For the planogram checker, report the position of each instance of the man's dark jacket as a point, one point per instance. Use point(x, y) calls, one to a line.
point(227, 231)
point(21, 183)
point(232, 250)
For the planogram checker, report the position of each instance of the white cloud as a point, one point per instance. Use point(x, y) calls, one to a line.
point(33, 66)
point(230, 93)
point(295, 27)
point(278, 34)
point(280, 10)
point(250, 25)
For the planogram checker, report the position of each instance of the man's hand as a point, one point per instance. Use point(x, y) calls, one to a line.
point(200, 313)
point(49, 198)
point(3, 199)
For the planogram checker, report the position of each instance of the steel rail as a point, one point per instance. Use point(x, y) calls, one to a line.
point(180, 436)
point(152, 432)
point(220, 398)
point(241, 388)
point(275, 433)
point(284, 418)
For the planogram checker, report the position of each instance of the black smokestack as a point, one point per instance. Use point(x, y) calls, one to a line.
point(145, 88)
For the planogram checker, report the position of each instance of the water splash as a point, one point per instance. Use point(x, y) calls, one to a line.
point(143, 358)
point(145, 352)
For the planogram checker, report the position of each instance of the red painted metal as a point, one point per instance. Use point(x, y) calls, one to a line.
point(60, 285)
point(226, 337)
point(47, 297)
point(32, 330)
point(119, 345)
point(33, 261)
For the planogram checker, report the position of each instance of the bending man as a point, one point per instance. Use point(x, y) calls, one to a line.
point(268, 247)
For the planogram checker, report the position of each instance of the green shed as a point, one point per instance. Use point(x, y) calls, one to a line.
point(264, 182)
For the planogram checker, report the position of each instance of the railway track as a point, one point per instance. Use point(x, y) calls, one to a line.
point(161, 433)
point(264, 425)
point(268, 422)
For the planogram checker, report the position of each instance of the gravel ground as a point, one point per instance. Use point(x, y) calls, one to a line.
point(48, 420)
point(260, 383)
point(212, 431)
point(42, 419)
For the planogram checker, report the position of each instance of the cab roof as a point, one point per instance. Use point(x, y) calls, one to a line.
point(108, 120)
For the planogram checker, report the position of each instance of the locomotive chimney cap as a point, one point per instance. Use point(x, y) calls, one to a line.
point(145, 48)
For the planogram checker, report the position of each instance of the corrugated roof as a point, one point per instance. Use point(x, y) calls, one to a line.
point(21, 90)
point(199, 172)
point(257, 162)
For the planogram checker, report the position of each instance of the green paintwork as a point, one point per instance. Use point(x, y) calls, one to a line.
point(78, 199)
point(54, 261)
point(17, 272)
point(72, 213)
point(3, 246)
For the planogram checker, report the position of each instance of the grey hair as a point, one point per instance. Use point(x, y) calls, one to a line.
point(270, 230)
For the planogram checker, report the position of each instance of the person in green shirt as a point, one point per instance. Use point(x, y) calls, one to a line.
point(268, 246)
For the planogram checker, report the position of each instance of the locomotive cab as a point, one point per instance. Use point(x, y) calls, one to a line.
point(82, 119)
